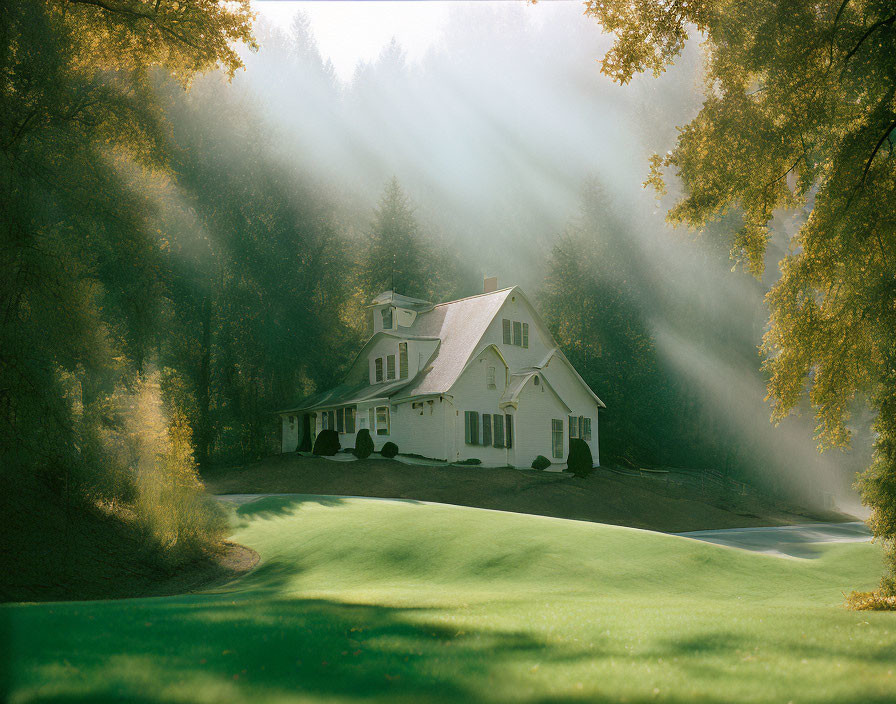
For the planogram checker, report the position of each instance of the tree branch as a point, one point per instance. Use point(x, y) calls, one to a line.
point(868, 32)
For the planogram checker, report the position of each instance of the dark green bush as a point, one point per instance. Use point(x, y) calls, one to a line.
point(541, 462)
point(326, 443)
point(579, 461)
point(390, 449)
point(472, 460)
point(363, 444)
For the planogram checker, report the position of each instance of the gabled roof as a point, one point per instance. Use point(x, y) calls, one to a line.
point(400, 301)
point(460, 326)
point(518, 382)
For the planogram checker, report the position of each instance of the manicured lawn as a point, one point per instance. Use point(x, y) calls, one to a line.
point(363, 600)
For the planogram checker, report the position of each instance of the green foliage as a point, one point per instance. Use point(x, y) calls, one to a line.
point(389, 450)
point(363, 444)
point(580, 462)
point(798, 114)
point(541, 462)
point(326, 443)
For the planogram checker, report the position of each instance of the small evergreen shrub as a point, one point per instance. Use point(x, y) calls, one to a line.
point(579, 461)
point(390, 449)
point(472, 460)
point(363, 444)
point(541, 462)
point(326, 443)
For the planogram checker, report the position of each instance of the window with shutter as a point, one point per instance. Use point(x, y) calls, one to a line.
point(486, 429)
point(382, 420)
point(490, 378)
point(379, 369)
point(468, 427)
point(557, 438)
point(506, 324)
point(340, 420)
point(350, 420)
point(526, 335)
point(332, 415)
point(390, 366)
point(573, 427)
point(498, 430)
point(517, 333)
point(403, 360)
point(508, 430)
point(474, 427)
point(586, 429)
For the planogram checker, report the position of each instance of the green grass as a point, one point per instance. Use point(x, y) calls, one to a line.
point(360, 600)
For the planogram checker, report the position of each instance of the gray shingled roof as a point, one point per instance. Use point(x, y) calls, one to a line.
point(460, 326)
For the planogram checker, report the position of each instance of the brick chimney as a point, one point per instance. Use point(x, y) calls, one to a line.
point(489, 284)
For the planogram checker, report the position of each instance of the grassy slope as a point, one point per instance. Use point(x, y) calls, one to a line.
point(364, 600)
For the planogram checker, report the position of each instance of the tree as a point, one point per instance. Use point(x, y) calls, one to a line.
point(80, 286)
point(799, 112)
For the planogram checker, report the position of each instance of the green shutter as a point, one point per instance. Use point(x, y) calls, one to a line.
point(468, 427)
point(498, 425)
point(403, 360)
point(486, 429)
point(474, 427)
point(508, 421)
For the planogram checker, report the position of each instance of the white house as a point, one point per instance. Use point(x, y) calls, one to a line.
point(480, 377)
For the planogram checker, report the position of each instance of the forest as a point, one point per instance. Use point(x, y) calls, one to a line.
point(196, 208)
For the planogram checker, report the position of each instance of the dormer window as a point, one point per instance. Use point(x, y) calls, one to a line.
point(378, 363)
point(387, 318)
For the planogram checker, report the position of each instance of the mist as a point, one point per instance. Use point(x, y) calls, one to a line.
point(492, 132)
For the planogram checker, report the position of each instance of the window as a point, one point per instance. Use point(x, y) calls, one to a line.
point(486, 429)
point(517, 333)
point(382, 420)
point(332, 415)
point(390, 366)
point(535, 380)
point(557, 438)
point(371, 418)
point(506, 324)
point(340, 420)
point(350, 420)
point(387, 318)
point(379, 369)
point(490, 378)
point(417, 406)
point(526, 335)
point(498, 430)
point(586, 429)
point(292, 419)
point(403, 360)
point(508, 430)
point(325, 419)
point(573, 427)
point(471, 427)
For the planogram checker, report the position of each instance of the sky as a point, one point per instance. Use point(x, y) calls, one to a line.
point(349, 32)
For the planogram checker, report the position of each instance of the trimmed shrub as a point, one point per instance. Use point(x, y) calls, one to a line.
point(472, 460)
point(390, 449)
point(326, 443)
point(363, 444)
point(541, 462)
point(579, 461)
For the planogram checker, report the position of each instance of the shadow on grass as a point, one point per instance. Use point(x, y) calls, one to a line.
point(245, 647)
